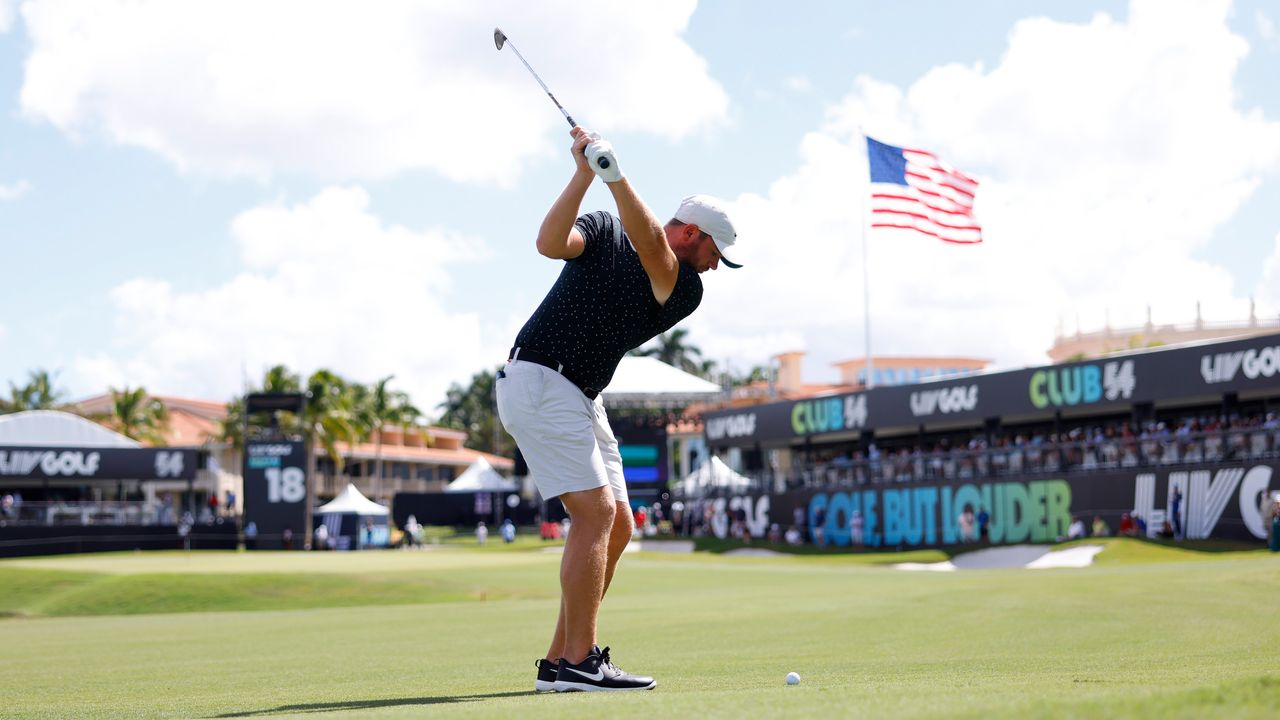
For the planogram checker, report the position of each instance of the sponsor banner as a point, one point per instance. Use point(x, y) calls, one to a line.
point(275, 491)
point(1105, 384)
point(99, 463)
point(1200, 501)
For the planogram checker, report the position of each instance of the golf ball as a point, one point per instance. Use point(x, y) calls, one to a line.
point(793, 678)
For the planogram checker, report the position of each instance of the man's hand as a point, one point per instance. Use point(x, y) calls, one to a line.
point(581, 138)
point(602, 160)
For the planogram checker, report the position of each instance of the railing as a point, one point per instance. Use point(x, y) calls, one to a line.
point(86, 512)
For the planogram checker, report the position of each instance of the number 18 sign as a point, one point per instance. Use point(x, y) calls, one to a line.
point(275, 490)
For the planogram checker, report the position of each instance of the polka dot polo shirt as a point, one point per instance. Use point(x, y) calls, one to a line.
point(602, 305)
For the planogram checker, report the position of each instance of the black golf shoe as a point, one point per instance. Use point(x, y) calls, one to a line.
point(597, 673)
point(546, 680)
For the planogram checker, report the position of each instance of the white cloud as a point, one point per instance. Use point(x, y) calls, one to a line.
point(1100, 178)
point(324, 284)
point(6, 15)
point(1266, 28)
point(343, 90)
point(14, 191)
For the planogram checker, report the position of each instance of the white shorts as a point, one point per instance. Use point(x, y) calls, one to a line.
point(564, 436)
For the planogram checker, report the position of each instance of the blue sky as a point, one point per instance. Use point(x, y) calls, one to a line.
point(191, 192)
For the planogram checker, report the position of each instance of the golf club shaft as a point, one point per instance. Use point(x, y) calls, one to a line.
point(544, 85)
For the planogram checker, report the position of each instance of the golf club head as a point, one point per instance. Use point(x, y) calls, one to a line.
point(498, 38)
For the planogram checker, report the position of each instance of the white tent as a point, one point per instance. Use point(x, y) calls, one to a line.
point(649, 381)
point(480, 477)
point(352, 501)
point(353, 521)
point(712, 475)
point(56, 428)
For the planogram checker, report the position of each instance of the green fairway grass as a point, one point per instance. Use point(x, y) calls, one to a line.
point(1150, 631)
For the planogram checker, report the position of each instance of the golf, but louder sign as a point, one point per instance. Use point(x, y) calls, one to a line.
point(275, 490)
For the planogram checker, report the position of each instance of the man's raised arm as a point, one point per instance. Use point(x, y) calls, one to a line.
point(639, 222)
point(558, 238)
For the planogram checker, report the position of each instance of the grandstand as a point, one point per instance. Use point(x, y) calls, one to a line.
point(1125, 433)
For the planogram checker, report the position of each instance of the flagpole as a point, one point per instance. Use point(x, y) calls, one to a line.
point(869, 381)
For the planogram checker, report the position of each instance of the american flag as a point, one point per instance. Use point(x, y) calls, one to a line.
point(915, 190)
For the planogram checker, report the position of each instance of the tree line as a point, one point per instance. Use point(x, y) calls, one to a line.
point(340, 410)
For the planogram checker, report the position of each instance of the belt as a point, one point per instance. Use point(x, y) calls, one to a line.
point(525, 354)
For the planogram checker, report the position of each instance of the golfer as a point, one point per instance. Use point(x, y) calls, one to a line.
point(626, 279)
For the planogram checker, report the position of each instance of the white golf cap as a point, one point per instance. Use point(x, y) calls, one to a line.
point(708, 214)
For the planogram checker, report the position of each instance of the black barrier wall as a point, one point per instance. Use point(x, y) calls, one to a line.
point(24, 540)
point(462, 509)
point(1220, 501)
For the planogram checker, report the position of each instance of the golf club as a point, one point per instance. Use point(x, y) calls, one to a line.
point(499, 40)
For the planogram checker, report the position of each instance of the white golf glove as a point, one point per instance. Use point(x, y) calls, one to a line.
point(603, 162)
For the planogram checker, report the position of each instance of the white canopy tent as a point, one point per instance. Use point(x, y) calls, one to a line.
point(645, 381)
point(352, 520)
point(351, 500)
point(480, 477)
point(712, 475)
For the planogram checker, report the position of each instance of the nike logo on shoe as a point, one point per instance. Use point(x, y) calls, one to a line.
point(598, 675)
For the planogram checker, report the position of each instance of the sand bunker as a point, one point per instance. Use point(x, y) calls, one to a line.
point(755, 552)
point(1035, 557)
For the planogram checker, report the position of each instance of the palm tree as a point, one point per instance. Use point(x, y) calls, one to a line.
point(38, 394)
point(673, 349)
point(137, 416)
point(377, 407)
point(330, 415)
point(278, 379)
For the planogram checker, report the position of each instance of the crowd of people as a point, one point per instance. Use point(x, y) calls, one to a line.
point(1112, 445)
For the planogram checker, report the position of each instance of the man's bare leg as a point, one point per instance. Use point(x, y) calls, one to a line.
point(623, 526)
point(583, 567)
point(619, 536)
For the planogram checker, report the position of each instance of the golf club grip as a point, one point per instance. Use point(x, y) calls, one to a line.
point(603, 163)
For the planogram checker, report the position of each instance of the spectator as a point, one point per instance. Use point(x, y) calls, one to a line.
point(508, 531)
point(855, 527)
point(1166, 531)
point(793, 536)
point(482, 533)
point(1175, 510)
point(1076, 531)
point(229, 507)
point(775, 533)
point(286, 538)
point(984, 521)
point(1273, 525)
point(1126, 526)
point(1100, 527)
point(412, 532)
point(966, 522)
point(322, 537)
point(251, 535)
